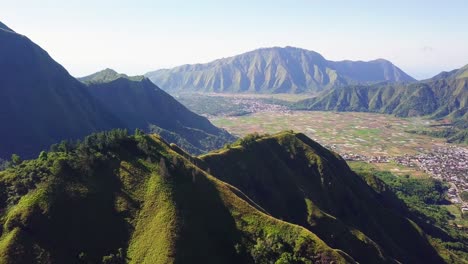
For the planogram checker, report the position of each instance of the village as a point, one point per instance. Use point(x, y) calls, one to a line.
point(253, 105)
point(448, 163)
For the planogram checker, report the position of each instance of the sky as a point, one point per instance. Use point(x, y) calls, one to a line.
point(423, 38)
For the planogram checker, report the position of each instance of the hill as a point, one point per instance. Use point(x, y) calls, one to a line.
point(284, 198)
point(275, 70)
point(117, 198)
point(40, 102)
point(295, 179)
point(444, 96)
point(141, 104)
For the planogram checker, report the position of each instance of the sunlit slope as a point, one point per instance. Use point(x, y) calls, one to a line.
point(295, 179)
point(124, 199)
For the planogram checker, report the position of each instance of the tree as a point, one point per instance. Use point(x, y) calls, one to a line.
point(15, 159)
point(43, 155)
point(139, 132)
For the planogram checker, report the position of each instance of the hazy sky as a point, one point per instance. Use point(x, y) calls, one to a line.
point(134, 37)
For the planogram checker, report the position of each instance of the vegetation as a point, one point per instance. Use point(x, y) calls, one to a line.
point(115, 198)
point(293, 178)
point(425, 200)
point(454, 133)
point(438, 97)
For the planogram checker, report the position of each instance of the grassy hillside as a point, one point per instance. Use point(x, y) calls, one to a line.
point(117, 198)
point(275, 70)
point(295, 179)
point(141, 104)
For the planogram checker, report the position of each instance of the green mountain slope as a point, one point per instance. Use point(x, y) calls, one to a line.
point(445, 95)
point(295, 179)
point(141, 104)
point(275, 70)
point(40, 103)
point(120, 199)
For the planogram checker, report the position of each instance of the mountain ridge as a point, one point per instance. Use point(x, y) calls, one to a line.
point(295, 179)
point(43, 104)
point(141, 104)
point(274, 70)
point(5, 27)
point(443, 96)
point(116, 198)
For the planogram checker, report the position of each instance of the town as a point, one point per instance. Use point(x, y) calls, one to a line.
point(448, 163)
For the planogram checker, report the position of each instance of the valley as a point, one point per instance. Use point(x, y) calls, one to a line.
point(225, 136)
point(380, 139)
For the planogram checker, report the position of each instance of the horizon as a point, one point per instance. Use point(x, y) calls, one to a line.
point(136, 38)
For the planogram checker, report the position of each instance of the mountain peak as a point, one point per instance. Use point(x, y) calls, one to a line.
point(460, 73)
point(108, 75)
point(276, 70)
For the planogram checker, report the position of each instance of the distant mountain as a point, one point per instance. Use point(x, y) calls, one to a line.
point(141, 104)
point(107, 75)
point(116, 198)
point(275, 70)
point(40, 102)
point(445, 95)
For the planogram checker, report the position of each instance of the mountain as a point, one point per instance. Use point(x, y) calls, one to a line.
point(266, 199)
point(445, 95)
point(141, 104)
point(275, 70)
point(295, 179)
point(40, 102)
point(118, 199)
point(107, 75)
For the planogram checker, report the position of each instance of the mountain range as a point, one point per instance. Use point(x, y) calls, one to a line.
point(443, 96)
point(275, 70)
point(283, 198)
point(42, 104)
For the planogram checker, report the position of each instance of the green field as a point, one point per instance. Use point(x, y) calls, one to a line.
point(346, 132)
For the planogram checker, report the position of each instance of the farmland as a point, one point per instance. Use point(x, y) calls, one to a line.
point(345, 132)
